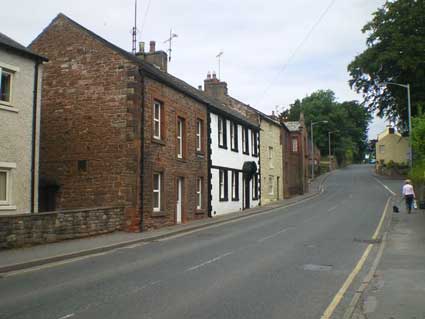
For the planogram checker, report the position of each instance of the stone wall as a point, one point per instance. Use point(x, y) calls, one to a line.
point(32, 229)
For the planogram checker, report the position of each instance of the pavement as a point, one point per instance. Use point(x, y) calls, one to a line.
point(288, 262)
point(27, 257)
point(397, 290)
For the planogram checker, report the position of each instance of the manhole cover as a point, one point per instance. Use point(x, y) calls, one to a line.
point(313, 267)
point(368, 241)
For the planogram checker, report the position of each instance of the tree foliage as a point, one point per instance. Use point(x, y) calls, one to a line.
point(395, 53)
point(349, 119)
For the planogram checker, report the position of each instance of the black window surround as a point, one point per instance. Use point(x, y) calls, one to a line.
point(234, 129)
point(235, 181)
point(223, 124)
point(245, 132)
point(254, 143)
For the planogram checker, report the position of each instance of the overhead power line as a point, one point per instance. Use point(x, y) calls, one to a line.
point(302, 42)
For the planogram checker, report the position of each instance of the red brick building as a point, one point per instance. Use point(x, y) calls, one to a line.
point(118, 131)
point(294, 136)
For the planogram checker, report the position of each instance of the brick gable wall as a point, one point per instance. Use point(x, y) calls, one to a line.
point(90, 112)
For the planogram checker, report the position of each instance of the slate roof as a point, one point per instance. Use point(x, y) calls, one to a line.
point(9, 43)
point(164, 77)
point(293, 126)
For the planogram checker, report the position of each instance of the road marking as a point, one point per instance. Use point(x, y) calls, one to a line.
point(67, 316)
point(209, 261)
point(332, 208)
point(340, 294)
point(385, 186)
point(274, 235)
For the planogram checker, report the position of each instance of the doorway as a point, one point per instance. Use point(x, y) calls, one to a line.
point(179, 200)
point(278, 188)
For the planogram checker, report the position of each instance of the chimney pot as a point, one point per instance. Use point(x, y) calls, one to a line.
point(209, 75)
point(152, 46)
point(214, 75)
point(200, 87)
point(142, 47)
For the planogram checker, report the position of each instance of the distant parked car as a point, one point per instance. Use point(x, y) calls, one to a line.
point(372, 161)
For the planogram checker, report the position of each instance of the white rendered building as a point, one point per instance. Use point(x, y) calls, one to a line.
point(234, 162)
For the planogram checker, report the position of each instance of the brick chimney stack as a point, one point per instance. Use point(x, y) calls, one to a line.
point(157, 58)
point(214, 87)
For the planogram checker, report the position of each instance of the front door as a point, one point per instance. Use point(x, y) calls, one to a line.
point(246, 192)
point(278, 188)
point(179, 201)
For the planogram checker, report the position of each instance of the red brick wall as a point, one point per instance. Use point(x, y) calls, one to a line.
point(162, 157)
point(90, 111)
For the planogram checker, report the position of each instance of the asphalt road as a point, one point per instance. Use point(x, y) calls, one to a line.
point(288, 263)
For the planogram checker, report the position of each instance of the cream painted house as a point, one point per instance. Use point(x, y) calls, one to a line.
point(271, 161)
point(391, 146)
point(20, 91)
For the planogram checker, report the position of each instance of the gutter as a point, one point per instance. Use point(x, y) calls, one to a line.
point(33, 137)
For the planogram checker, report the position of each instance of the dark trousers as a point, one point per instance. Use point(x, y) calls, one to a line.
point(409, 202)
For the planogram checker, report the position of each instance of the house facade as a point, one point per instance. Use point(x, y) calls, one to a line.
point(20, 93)
point(392, 146)
point(296, 157)
point(271, 159)
point(234, 152)
point(118, 131)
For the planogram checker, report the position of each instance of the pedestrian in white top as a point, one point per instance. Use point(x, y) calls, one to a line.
point(409, 195)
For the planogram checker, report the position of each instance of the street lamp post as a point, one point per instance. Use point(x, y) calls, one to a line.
point(409, 115)
point(329, 156)
point(312, 145)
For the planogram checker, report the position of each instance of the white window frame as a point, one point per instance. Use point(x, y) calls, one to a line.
point(180, 123)
point(157, 121)
point(199, 193)
point(10, 69)
point(222, 186)
point(158, 190)
point(271, 185)
point(235, 183)
point(233, 126)
point(271, 157)
point(294, 145)
point(221, 123)
point(199, 135)
point(6, 167)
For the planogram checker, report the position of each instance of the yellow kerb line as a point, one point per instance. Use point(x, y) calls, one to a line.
point(340, 294)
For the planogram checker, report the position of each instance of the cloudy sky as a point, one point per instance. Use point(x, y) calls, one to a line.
point(274, 51)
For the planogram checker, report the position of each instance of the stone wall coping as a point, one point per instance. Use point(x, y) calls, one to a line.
point(70, 211)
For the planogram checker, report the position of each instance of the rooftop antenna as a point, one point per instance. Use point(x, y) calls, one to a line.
point(134, 30)
point(169, 40)
point(219, 63)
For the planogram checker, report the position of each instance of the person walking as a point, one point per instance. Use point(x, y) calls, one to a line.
point(408, 194)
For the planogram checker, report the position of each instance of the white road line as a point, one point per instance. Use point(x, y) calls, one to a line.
point(67, 316)
point(274, 235)
point(385, 186)
point(332, 208)
point(210, 261)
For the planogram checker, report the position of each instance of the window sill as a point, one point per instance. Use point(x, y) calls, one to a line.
point(8, 107)
point(181, 160)
point(156, 141)
point(200, 211)
point(235, 150)
point(11, 207)
point(223, 200)
point(159, 214)
point(200, 154)
point(245, 153)
point(235, 199)
point(222, 146)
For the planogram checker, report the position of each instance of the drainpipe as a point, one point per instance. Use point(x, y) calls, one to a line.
point(142, 150)
point(33, 137)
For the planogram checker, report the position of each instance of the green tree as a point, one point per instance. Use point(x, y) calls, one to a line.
point(395, 53)
point(349, 118)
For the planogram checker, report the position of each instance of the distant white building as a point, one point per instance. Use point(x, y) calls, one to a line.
point(234, 162)
point(20, 91)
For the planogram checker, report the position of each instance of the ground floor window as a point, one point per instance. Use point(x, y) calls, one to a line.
point(157, 191)
point(223, 185)
point(235, 185)
point(255, 187)
point(271, 185)
point(6, 183)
